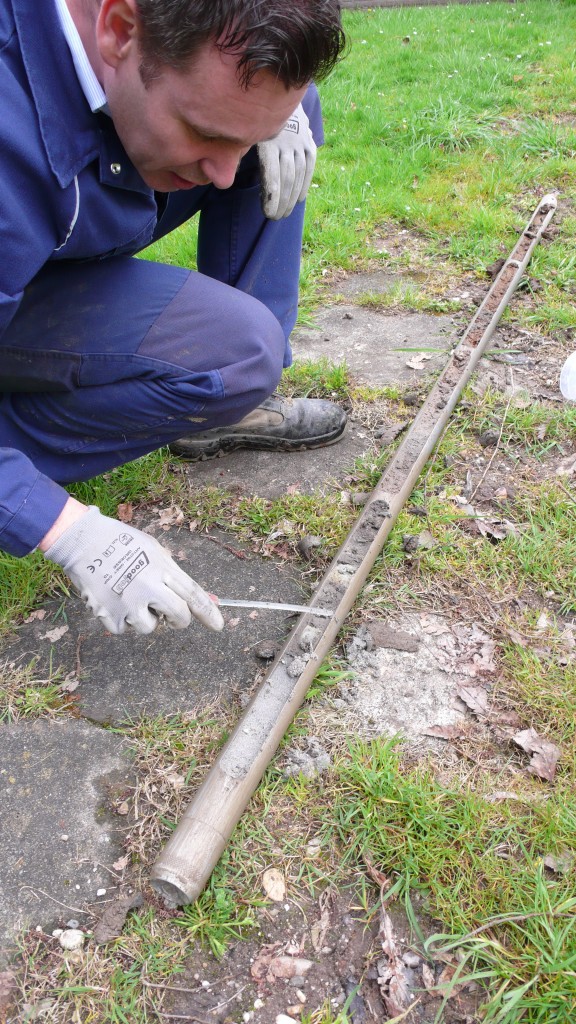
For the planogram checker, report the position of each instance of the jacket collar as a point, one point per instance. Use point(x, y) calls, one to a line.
point(73, 136)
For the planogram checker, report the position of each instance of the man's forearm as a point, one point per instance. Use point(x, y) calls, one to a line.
point(72, 511)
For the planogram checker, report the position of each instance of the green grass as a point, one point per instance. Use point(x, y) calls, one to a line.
point(25, 696)
point(455, 135)
point(480, 871)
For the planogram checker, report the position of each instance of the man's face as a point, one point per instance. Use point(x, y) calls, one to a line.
point(191, 127)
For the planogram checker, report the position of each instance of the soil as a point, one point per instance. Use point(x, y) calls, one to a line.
point(346, 954)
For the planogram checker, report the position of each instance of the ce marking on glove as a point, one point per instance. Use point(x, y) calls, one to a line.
point(96, 564)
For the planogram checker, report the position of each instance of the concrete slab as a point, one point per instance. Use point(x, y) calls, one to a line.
point(168, 671)
point(54, 778)
point(376, 345)
point(269, 474)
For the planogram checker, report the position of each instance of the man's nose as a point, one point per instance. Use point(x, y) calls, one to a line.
point(220, 168)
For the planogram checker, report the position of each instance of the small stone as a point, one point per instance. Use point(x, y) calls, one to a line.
point(57, 933)
point(411, 959)
point(489, 438)
point(297, 981)
point(306, 545)
point(101, 892)
point(265, 650)
point(64, 838)
point(411, 398)
point(72, 923)
point(283, 1018)
point(258, 1004)
point(71, 938)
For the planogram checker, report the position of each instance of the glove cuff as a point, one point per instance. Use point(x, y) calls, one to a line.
point(63, 550)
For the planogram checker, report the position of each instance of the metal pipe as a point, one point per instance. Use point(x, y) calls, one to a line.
point(186, 862)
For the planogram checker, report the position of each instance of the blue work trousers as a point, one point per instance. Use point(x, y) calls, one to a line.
point(109, 359)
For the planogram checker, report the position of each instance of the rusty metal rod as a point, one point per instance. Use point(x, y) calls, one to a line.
point(186, 862)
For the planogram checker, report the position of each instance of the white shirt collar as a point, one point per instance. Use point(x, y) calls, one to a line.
point(91, 87)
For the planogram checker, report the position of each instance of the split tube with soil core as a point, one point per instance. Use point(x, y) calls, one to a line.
point(186, 862)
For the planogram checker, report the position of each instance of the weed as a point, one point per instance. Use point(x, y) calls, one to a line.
point(215, 919)
point(25, 696)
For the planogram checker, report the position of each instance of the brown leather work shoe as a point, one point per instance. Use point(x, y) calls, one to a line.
point(279, 424)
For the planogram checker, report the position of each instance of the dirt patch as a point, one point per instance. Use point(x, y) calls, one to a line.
point(308, 958)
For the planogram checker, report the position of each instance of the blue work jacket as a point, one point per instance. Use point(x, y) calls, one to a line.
point(67, 192)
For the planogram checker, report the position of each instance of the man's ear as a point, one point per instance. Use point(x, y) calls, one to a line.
point(117, 30)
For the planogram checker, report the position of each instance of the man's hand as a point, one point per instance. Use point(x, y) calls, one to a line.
point(127, 578)
point(286, 166)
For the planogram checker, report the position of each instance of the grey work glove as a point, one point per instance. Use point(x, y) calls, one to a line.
point(127, 578)
point(286, 166)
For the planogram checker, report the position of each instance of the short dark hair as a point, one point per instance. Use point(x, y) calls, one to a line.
point(295, 40)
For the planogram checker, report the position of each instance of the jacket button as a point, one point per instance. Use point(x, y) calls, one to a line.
point(116, 168)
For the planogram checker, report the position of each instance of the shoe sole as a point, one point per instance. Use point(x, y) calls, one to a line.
point(225, 446)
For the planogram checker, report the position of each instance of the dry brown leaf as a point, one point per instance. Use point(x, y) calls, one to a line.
point(392, 980)
point(497, 529)
point(475, 698)
point(465, 506)
point(125, 512)
point(545, 755)
point(274, 884)
point(36, 616)
point(171, 516)
point(377, 876)
point(70, 684)
point(445, 981)
point(445, 732)
point(505, 719)
point(319, 930)
point(428, 977)
point(260, 967)
point(560, 863)
point(269, 965)
point(54, 634)
point(417, 361)
point(175, 780)
point(515, 636)
point(567, 466)
point(121, 863)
